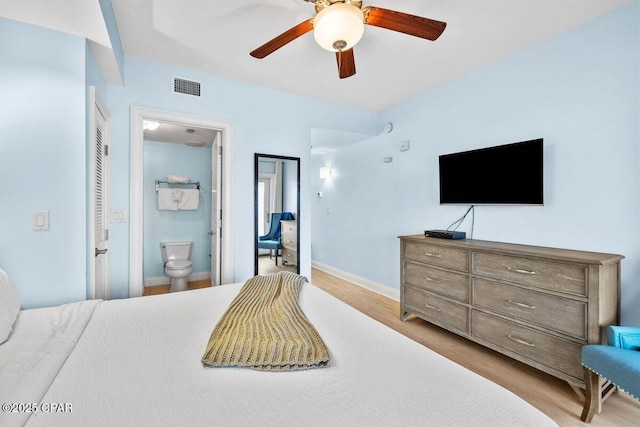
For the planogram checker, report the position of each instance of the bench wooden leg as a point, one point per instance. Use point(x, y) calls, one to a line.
point(593, 396)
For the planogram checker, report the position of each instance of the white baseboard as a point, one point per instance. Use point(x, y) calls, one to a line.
point(201, 275)
point(360, 281)
point(164, 280)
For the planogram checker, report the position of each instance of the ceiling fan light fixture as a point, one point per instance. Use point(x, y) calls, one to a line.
point(338, 27)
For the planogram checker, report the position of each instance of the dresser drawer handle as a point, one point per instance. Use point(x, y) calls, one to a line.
point(519, 341)
point(429, 279)
point(433, 307)
point(521, 304)
point(433, 255)
point(517, 270)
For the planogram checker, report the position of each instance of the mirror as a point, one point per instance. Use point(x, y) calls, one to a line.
point(276, 213)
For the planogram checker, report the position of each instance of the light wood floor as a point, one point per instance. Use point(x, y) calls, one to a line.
point(267, 265)
point(549, 394)
point(164, 289)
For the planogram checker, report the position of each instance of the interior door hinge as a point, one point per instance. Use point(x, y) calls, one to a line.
point(106, 234)
point(106, 150)
point(220, 150)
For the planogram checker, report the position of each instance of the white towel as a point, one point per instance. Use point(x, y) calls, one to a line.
point(165, 200)
point(176, 194)
point(190, 200)
point(178, 179)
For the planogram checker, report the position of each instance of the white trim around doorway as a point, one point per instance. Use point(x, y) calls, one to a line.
point(138, 114)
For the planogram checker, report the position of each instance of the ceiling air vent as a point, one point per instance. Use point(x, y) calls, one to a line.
point(188, 130)
point(186, 87)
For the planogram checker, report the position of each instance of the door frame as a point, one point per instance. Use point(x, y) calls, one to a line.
point(95, 103)
point(136, 195)
point(217, 162)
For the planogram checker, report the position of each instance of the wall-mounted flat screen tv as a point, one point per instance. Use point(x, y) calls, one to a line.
point(508, 174)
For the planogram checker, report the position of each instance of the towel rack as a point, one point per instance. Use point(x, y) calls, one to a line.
point(158, 182)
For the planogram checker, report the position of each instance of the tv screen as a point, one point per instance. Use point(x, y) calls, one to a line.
point(508, 174)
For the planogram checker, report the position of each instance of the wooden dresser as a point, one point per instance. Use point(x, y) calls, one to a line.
point(538, 305)
point(289, 241)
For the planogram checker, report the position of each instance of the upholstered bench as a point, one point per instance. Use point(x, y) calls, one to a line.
point(618, 362)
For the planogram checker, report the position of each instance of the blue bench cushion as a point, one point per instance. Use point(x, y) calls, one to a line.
point(624, 337)
point(618, 365)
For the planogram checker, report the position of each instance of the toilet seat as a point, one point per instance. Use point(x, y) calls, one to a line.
point(177, 265)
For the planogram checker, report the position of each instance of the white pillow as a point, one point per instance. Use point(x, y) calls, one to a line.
point(9, 306)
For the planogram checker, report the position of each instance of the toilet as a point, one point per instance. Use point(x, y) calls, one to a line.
point(177, 263)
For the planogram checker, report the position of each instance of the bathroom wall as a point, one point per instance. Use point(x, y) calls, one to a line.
point(162, 159)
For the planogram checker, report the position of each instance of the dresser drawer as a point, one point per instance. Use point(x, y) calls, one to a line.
point(561, 314)
point(436, 308)
point(565, 278)
point(456, 259)
point(289, 227)
point(290, 257)
point(442, 282)
point(289, 241)
point(556, 353)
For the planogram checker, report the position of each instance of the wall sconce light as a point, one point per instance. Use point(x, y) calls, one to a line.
point(325, 172)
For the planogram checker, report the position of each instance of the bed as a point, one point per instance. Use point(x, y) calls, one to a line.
point(137, 362)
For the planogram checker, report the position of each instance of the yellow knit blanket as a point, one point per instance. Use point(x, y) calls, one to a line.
point(265, 329)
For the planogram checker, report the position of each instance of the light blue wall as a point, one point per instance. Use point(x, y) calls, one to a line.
point(290, 187)
point(42, 162)
point(162, 159)
point(93, 75)
point(263, 120)
point(43, 165)
point(578, 91)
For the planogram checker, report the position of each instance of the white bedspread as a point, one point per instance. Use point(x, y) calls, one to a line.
point(41, 341)
point(138, 364)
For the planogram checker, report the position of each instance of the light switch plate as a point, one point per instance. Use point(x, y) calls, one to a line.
point(118, 215)
point(40, 220)
point(404, 146)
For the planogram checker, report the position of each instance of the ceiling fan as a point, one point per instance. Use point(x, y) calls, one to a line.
point(339, 25)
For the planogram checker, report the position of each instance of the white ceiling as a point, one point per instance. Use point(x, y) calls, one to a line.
point(181, 134)
point(216, 36)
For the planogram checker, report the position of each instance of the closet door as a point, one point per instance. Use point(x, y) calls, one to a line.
point(99, 203)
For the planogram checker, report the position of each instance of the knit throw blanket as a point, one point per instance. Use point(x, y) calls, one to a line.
point(265, 329)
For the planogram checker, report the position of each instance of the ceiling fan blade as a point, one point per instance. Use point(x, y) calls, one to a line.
point(346, 63)
point(284, 38)
point(404, 23)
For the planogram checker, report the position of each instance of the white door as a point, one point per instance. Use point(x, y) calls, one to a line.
point(99, 203)
point(216, 212)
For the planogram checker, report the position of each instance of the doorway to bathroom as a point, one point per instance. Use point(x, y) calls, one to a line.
point(189, 155)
